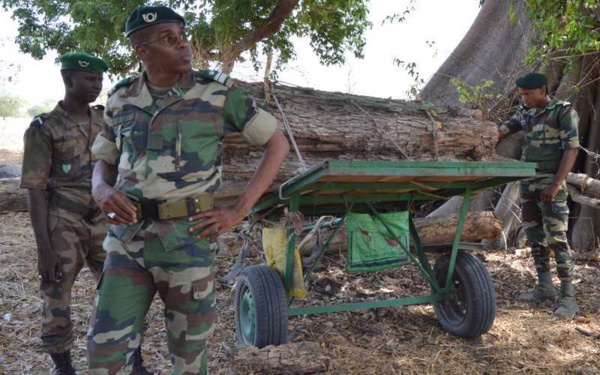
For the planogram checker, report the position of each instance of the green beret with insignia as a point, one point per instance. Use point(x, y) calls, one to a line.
point(532, 81)
point(144, 16)
point(83, 62)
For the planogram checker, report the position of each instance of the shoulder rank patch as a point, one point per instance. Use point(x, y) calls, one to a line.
point(122, 83)
point(215, 75)
point(39, 120)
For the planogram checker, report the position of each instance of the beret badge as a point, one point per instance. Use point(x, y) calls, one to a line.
point(149, 17)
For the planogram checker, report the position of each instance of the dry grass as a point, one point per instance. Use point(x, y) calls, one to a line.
point(386, 341)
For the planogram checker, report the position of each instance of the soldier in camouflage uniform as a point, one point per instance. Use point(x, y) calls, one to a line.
point(551, 127)
point(163, 133)
point(57, 171)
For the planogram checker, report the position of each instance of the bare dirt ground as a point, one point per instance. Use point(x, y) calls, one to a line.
point(400, 340)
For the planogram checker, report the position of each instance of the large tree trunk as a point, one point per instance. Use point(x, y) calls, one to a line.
point(492, 49)
point(338, 126)
point(478, 57)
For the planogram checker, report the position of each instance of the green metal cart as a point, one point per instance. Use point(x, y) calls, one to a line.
point(462, 291)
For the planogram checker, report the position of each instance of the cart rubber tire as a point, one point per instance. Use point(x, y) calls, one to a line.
point(261, 312)
point(470, 309)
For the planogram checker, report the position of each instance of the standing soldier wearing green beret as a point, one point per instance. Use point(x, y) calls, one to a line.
point(163, 133)
point(553, 143)
point(68, 226)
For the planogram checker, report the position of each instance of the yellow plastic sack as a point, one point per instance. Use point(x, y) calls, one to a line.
point(274, 245)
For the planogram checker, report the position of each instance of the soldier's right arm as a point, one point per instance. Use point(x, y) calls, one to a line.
point(37, 158)
point(110, 200)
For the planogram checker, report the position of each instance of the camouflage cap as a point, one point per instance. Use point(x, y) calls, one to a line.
point(532, 81)
point(83, 62)
point(144, 16)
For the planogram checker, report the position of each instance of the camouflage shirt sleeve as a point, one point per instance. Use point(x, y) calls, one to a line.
point(105, 147)
point(569, 128)
point(511, 126)
point(37, 156)
point(241, 112)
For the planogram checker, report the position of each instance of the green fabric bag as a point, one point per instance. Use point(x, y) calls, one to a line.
point(370, 245)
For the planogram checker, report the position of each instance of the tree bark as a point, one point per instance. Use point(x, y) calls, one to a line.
point(493, 49)
point(12, 198)
point(329, 125)
point(585, 188)
point(293, 358)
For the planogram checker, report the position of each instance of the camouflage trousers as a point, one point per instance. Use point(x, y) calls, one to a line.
point(184, 277)
point(76, 242)
point(546, 225)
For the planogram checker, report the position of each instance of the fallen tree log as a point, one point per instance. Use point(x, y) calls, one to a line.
point(339, 126)
point(584, 190)
point(12, 198)
point(478, 226)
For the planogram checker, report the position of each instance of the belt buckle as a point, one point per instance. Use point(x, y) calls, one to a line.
point(190, 205)
point(138, 212)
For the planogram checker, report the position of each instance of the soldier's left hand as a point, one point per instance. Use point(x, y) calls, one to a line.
point(211, 224)
point(549, 193)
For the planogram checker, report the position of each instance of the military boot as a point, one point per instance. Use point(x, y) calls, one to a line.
point(138, 363)
point(62, 363)
point(544, 291)
point(567, 306)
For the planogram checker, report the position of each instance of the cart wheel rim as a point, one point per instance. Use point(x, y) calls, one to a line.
point(247, 316)
point(456, 306)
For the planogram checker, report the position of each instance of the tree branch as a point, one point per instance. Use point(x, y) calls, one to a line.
point(281, 12)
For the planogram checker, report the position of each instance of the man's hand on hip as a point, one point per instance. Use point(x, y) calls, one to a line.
point(115, 205)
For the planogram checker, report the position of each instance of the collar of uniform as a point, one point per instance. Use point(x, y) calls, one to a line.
point(185, 82)
point(63, 114)
point(140, 95)
point(96, 116)
point(60, 110)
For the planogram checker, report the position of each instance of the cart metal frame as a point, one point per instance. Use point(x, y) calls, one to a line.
point(338, 187)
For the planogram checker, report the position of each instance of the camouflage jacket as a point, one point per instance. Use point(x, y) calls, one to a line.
point(57, 155)
point(170, 149)
point(549, 132)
